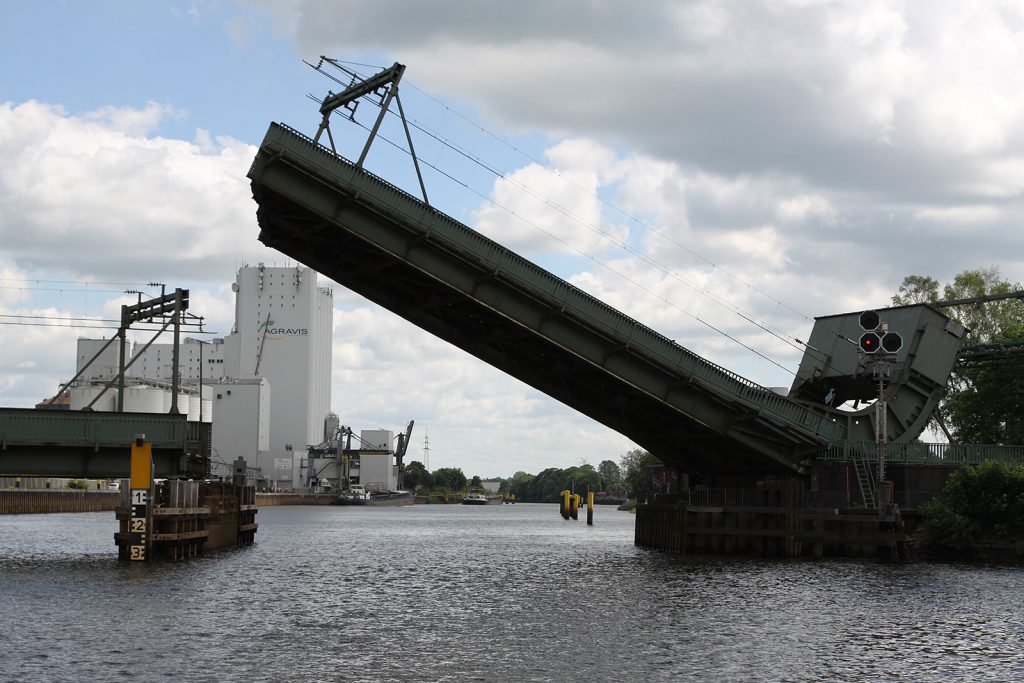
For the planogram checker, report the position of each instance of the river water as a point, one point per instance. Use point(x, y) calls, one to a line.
point(497, 593)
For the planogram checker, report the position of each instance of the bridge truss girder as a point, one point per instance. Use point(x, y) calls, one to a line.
point(400, 265)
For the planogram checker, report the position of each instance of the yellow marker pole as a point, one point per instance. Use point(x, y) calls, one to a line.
point(590, 508)
point(141, 483)
point(564, 507)
point(574, 506)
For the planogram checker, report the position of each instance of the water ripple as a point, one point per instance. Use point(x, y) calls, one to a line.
point(452, 593)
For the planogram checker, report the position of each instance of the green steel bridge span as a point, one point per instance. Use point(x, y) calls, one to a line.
point(63, 443)
point(399, 252)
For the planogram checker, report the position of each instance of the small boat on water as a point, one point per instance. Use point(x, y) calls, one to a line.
point(358, 495)
point(478, 498)
point(354, 495)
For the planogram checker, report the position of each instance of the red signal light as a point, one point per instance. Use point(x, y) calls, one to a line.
point(869, 342)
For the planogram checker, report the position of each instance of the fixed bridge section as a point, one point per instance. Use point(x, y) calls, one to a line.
point(65, 443)
point(457, 284)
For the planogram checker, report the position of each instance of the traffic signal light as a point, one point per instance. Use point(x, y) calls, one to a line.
point(876, 337)
point(870, 320)
point(870, 342)
point(892, 342)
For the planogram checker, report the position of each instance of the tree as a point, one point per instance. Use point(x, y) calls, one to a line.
point(547, 486)
point(449, 478)
point(636, 472)
point(991, 408)
point(476, 482)
point(978, 503)
point(917, 289)
point(416, 476)
point(984, 402)
point(611, 475)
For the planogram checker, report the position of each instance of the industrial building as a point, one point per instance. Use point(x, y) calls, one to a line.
point(266, 385)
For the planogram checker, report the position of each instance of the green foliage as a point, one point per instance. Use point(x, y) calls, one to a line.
point(417, 477)
point(991, 407)
point(636, 472)
point(984, 402)
point(77, 484)
point(449, 479)
point(548, 485)
point(978, 503)
point(917, 289)
point(611, 474)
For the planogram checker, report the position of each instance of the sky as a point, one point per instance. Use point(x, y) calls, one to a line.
point(699, 165)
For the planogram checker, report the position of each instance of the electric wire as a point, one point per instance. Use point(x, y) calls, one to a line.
point(782, 336)
point(605, 202)
point(58, 317)
point(80, 326)
point(646, 258)
point(597, 261)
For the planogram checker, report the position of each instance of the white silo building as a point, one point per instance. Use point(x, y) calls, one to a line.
point(268, 382)
point(283, 333)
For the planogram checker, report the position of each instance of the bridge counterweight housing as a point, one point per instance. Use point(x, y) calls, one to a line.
point(837, 373)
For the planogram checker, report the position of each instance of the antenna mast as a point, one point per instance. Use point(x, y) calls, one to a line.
point(426, 450)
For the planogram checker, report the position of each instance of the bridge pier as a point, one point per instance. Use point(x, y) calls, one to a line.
point(776, 519)
point(190, 518)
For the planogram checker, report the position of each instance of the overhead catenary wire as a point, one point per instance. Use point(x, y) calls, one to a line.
point(446, 142)
point(783, 336)
point(606, 202)
point(59, 317)
point(646, 258)
point(597, 261)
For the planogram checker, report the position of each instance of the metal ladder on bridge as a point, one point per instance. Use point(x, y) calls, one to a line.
point(865, 476)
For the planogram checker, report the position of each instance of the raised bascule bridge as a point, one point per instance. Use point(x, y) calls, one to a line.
point(707, 424)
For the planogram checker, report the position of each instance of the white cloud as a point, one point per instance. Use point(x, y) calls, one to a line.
point(959, 215)
point(132, 122)
point(780, 159)
point(96, 187)
point(387, 371)
point(806, 207)
point(554, 208)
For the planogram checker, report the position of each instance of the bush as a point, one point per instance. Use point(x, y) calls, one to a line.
point(978, 504)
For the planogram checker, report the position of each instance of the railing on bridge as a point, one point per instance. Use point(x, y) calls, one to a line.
point(926, 453)
point(441, 228)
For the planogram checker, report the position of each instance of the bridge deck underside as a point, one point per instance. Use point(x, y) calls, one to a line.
point(450, 292)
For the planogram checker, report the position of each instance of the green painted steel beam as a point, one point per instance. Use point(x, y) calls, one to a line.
point(98, 444)
point(463, 287)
